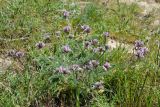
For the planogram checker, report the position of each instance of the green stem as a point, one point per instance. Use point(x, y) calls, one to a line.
point(140, 92)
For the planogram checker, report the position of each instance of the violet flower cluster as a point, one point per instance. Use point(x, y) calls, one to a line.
point(65, 14)
point(16, 54)
point(67, 29)
point(99, 49)
point(62, 70)
point(40, 45)
point(140, 49)
point(98, 86)
point(92, 64)
point(89, 44)
point(66, 49)
point(86, 28)
point(68, 70)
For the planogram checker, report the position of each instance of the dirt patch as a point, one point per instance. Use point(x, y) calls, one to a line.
point(115, 44)
point(4, 63)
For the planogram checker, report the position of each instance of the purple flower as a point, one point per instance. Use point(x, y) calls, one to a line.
point(138, 44)
point(87, 44)
point(40, 45)
point(65, 14)
point(99, 49)
point(14, 53)
point(19, 54)
point(93, 63)
point(86, 28)
point(95, 50)
point(62, 70)
point(106, 34)
point(98, 85)
point(94, 42)
point(75, 67)
point(87, 67)
point(144, 50)
point(67, 29)
point(141, 52)
point(66, 49)
point(106, 66)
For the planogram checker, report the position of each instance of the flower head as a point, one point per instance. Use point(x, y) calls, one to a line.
point(83, 27)
point(99, 49)
point(66, 49)
point(141, 52)
point(62, 70)
point(75, 67)
point(94, 42)
point(106, 34)
point(65, 14)
point(139, 44)
point(67, 29)
point(40, 45)
point(19, 54)
point(140, 49)
point(98, 85)
point(106, 66)
point(86, 28)
point(95, 50)
point(145, 50)
point(87, 67)
point(87, 44)
point(93, 63)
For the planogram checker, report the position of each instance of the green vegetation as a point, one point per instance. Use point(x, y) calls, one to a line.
point(62, 60)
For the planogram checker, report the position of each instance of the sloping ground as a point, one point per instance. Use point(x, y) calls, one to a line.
point(34, 86)
point(147, 6)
